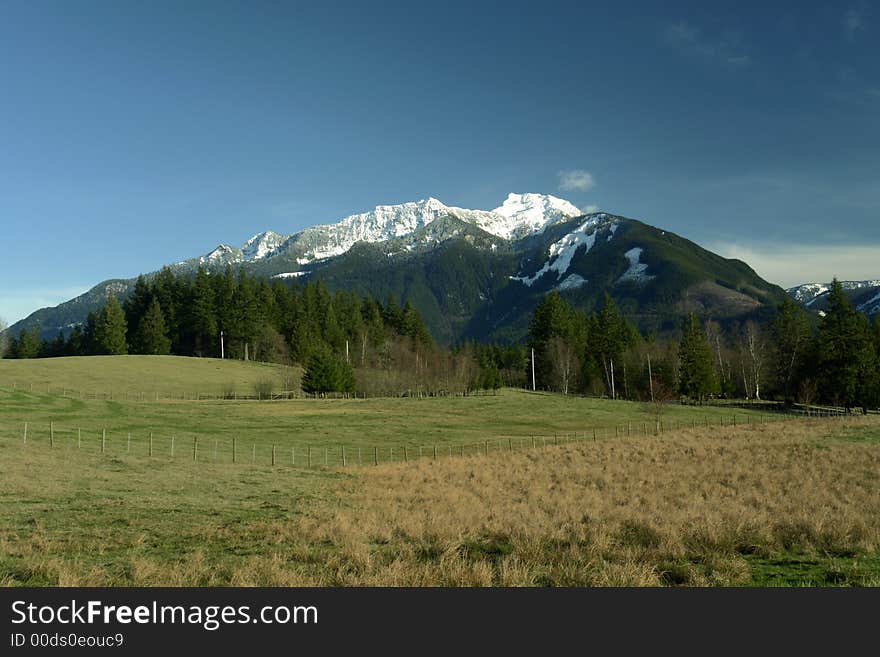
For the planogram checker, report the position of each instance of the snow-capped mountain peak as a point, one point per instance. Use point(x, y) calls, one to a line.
point(524, 214)
point(262, 245)
point(518, 216)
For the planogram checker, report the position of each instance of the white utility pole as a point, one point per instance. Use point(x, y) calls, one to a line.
point(533, 369)
point(613, 393)
point(222, 352)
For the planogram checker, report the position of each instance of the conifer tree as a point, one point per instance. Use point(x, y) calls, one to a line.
point(553, 318)
point(203, 322)
point(110, 329)
point(325, 372)
point(696, 377)
point(791, 336)
point(845, 353)
point(152, 333)
point(134, 308)
point(28, 343)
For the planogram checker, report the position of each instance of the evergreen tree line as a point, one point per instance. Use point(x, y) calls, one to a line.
point(837, 361)
point(257, 320)
point(351, 344)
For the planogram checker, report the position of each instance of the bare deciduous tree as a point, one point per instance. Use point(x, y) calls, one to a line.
point(807, 393)
point(756, 348)
point(663, 394)
point(4, 338)
point(565, 363)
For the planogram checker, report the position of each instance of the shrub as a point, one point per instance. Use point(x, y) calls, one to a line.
point(263, 389)
point(325, 372)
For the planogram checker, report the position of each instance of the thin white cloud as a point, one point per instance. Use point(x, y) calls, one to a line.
point(576, 180)
point(852, 22)
point(797, 264)
point(726, 47)
point(589, 209)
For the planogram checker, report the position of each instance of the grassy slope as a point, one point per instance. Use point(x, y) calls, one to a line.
point(168, 375)
point(448, 423)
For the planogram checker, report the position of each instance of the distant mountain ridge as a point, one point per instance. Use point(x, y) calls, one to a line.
point(519, 216)
point(479, 273)
point(864, 295)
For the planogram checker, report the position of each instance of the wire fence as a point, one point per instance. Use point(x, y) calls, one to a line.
point(229, 395)
point(239, 450)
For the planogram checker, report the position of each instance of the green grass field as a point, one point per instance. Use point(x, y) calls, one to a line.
point(366, 428)
point(75, 516)
point(132, 376)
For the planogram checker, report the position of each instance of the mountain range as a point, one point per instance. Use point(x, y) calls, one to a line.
point(864, 295)
point(479, 273)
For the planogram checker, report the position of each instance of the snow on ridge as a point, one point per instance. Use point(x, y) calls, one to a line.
point(867, 306)
point(809, 292)
point(518, 216)
point(525, 214)
point(292, 274)
point(563, 251)
point(571, 282)
point(636, 272)
point(262, 245)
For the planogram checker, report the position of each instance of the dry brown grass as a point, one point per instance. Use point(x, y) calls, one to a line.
point(680, 508)
point(691, 507)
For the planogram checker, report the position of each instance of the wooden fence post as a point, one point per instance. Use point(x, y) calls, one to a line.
point(253, 453)
point(51, 434)
point(293, 456)
point(435, 451)
point(343, 456)
point(25, 433)
point(195, 448)
point(103, 440)
point(405, 454)
point(487, 448)
point(325, 456)
point(375, 456)
point(172, 446)
point(273, 454)
point(310, 456)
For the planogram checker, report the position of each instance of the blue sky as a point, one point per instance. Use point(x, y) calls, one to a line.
point(138, 134)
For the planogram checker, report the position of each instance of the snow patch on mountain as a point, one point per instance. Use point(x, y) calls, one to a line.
point(808, 293)
point(292, 274)
point(526, 214)
point(563, 251)
point(221, 255)
point(571, 282)
point(870, 306)
point(520, 215)
point(636, 272)
point(262, 245)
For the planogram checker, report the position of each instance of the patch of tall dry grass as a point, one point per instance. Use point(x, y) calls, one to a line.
point(678, 508)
